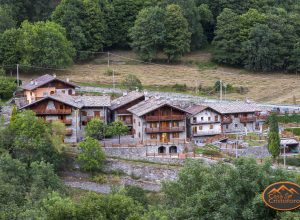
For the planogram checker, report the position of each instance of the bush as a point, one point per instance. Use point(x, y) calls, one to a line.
point(209, 150)
point(295, 118)
point(99, 179)
point(291, 161)
point(7, 87)
point(180, 87)
point(91, 156)
point(132, 82)
point(137, 194)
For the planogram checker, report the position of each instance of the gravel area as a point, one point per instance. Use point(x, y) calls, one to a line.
point(90, 186)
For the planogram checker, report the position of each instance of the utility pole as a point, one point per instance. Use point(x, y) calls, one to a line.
point(114, 85)
point(284, 156)
point(18, 79)
point(108, 63)
point(221, 91)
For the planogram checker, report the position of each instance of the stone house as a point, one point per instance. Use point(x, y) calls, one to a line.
point(160, 123)
point(69, 110)
point(203, 122)
point(238, 117)
point(44, 86)
point(119, 107)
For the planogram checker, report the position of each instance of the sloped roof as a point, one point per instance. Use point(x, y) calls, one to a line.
point(195, 109)
point(125, 99)
point(77, 101)
point(42, 80)
point(231, 108)
point(150, 105)
point(95, 101)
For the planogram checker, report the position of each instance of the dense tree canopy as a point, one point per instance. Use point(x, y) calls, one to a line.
point(38, 44)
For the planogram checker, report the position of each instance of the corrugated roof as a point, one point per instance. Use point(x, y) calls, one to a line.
point(77, 101)
point(125, 99)
point(42, 80)
point(150, 105)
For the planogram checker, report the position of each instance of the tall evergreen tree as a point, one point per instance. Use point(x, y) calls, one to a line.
point(178, 37)
point(273, 138)
point(227, 42)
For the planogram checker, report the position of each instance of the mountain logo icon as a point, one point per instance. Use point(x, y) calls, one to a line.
point(282, 196)
point(283, 188)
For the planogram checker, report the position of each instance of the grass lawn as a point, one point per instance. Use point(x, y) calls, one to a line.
point(195, 69)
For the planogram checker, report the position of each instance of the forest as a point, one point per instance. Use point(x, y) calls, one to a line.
point(259, 35)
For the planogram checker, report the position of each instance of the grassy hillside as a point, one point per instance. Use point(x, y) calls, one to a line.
point(195, 69)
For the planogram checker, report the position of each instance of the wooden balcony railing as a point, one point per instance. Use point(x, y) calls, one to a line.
point(127, 122)
point(53, 112)
point(206, 133)
point(165, 129)
point(262, 117)
point(247, 119)
point(169, 142)
point(226, 120)
point(69, 132)
point(165, 118)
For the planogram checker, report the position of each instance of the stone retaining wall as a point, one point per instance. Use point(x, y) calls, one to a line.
point(142, 171)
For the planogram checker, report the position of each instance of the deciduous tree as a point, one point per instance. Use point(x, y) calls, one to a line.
point(118, 128)
point(91, 156)
point(96, 129)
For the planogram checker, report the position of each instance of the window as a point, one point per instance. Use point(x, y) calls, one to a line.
point(83, 123)
point(209, 118)
point(194, 130)
point(134, 121)
point(211, 127)
point(236, 115)
point(52, 92)
point(83, 113)
point(202, 118)
point(194, 119)
point(245, 125)
point(200, 128)
point(235, 125)
point(97, 113)
point(63, 91)
point(227, 126)
point(175, 124)
point(139, 134)
point(153, 125)
point(70, 91)
point(61, 106)
point(139, 123)
point(216, 118)
point(175, 135)
point(153, 136)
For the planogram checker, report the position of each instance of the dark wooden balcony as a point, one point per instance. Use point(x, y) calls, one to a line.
point(247, 119)
point(226, 120)
point(165, 118)
point(69, 132)
point(165, 129)
point(54, 112)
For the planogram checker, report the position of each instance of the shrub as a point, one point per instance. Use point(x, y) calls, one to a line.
point(99, 179)
point(180, 87)
point(91, 156)
point(7, 87)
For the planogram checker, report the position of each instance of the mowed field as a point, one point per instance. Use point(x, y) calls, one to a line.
point(195, 69)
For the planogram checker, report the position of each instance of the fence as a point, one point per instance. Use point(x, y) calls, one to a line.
point(184, 156)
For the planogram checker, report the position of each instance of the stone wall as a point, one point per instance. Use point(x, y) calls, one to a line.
point(142, 170)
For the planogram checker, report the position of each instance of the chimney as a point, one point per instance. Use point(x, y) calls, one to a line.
point(125, 93)
point(54, 75)
point(35, 83)
point(68, 80)
point(31, 82)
